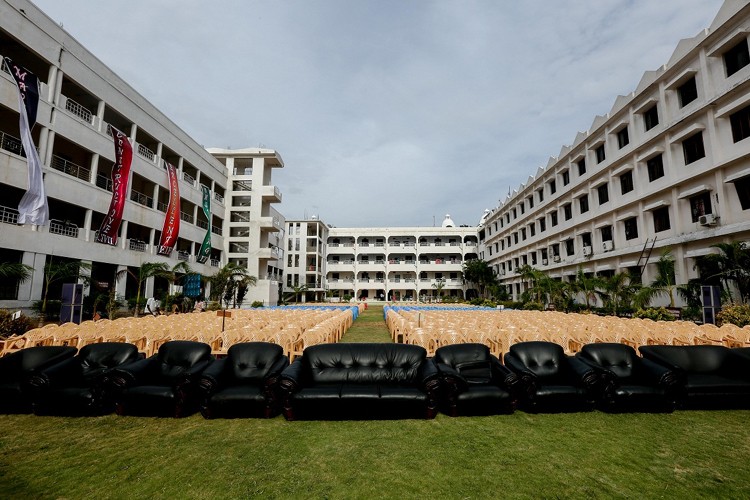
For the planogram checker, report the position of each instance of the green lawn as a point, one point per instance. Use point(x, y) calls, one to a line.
point(682, 455)
point(369, 327)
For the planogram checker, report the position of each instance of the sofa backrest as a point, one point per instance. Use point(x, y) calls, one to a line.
point(364, 363)
point(693, 358)
point(544, 359)
point(620, 359)
point(251, 361)
point(471, 360)
point(178, 356)
point(25, 362)
point(95, 358)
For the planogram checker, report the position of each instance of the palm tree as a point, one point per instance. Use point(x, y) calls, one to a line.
point(618, 290)
point(15, 271)
point(539, 287)
point(298, 290)
point(664, 283)
point(224, 283)
point(734, 266)
point(59, 270)
point(146, 271)
point(587, 285)
point(480, 273)
point(438, 286)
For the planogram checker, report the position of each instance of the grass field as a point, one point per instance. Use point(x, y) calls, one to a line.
point(584, 455)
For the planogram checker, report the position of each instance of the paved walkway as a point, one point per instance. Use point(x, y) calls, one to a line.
point(369, 327)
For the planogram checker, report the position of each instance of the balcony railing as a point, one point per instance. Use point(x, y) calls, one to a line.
point(79, 111)
point(12, 144)
point(70, 168)
point(216, 230)
point(161, 206)
point(188, 178)
point(240, 217)
point(242, 186)
point(183, 255)
point(146, 153)
point(186, 217)
point(215, 263)
point(8, 215)
point(203, 224)
point(141, 198)
point(104, 182)
point(63, 228)
point(219, 198)
point(137, 245)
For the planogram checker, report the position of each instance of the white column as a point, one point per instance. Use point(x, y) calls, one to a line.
point(121, 283)
point(31, 289)
point(87, 219)
point(124, 234)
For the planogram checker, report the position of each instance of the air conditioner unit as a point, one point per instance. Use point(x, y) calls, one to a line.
point(545, 262)
point(587, 251)
point(608, 246)
point(555, 258)
point(707, 220)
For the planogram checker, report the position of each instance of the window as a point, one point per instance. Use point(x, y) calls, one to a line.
point(626, 182)
point(581, 166)
point(515, 214)
point(700, 205)
point(651, 117)
point(568, 211)
point(736, 58)
point(692, 148)
point(603, 194)
point(655, 168)
point(515, 238)
point(540, 192)
point(606, 232)
point(740, 124)
point(622, 137)
point(507, 218)
point(553, 218)
point(688, 92)
point(533, 258)
point(523, 234)
point(583, 201)
point(600, 156)
point(523, 208)
point(743, 191)
point(569, 247)
point(566, 177)
point(552, 187)
point(586, 239)
point(532, 229)
point(661, 219)
point(531, 201)
point(544, 254)
point(556, 250)
point(542, 225)
point(631, 228)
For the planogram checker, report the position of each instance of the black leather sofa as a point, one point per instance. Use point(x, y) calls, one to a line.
point(16, 370)
point(474, 381)
point(630, 383)
point(553, 381)
point(710, 376)
point(360, 381)
point(244, 383)
point(76, 386)
point(163, 385)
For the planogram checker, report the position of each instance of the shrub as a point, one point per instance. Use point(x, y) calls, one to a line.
point(660, 314)
point(10, 326)
point(533, 306)
point(738, 314)
point(347, 298)
point(53, 309)
point(256, 304)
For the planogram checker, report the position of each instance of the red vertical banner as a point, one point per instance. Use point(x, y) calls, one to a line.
point(120, 176)
point(171, 228)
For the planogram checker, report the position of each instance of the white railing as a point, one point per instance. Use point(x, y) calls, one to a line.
point(79, 111)
point(104, 182)
point(63, 228)
point(215, 263)
point(203, 224)
point(186, 217)
point(70, 168)
point(146, 153)
point(277, 192)
point(242, 186)
point(183, 255)
point(216, 230)
point(162, 207)
point(12, 144)
point(219, 198)
point(141, 198)
point(8, 215)
point(137, 245)
point(240, 217)
point(188, 178)
point(277, 223)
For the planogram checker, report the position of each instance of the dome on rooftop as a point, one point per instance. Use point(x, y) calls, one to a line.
point(448, 222)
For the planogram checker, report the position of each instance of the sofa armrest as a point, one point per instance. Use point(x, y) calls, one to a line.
point(661, 374)
point(194, 373)
point(737, 365)
point(454, 382)
point(293, 377)
point(212, 378)
point(527, 383)
point(588, 375)
point(649, 354)
point(131, 374)
point(63, 371)
point(504, 376)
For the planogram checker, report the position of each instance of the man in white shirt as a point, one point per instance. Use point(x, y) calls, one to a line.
point(153, 306)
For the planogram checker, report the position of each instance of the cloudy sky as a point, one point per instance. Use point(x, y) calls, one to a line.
point(387, 112)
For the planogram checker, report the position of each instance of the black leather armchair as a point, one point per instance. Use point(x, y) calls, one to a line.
point(164, 384)
point(16, 370)
point(243, 384)
point(554, 382)
point(711, 376)
point(474, 381)
point(76, 385)
point(630, 383)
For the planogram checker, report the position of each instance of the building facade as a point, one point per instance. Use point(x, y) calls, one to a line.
point(254, 229)
point(387, 263)
point(79, 99)
point(667, 168)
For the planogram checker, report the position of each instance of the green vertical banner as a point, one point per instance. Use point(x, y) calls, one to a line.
point(205, 251)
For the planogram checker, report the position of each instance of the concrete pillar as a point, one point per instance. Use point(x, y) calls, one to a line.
point(121, 283)
point(94, 167)
point(87, 219)
point(52, 76)
point(31, 290)
point(86, 283)
point(124, 234)
point(148, 288)
point(100, 126)
point(46, 155)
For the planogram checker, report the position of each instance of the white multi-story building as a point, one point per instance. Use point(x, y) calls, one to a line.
point(386, 263)
point(253, 228)
point(667, 167)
